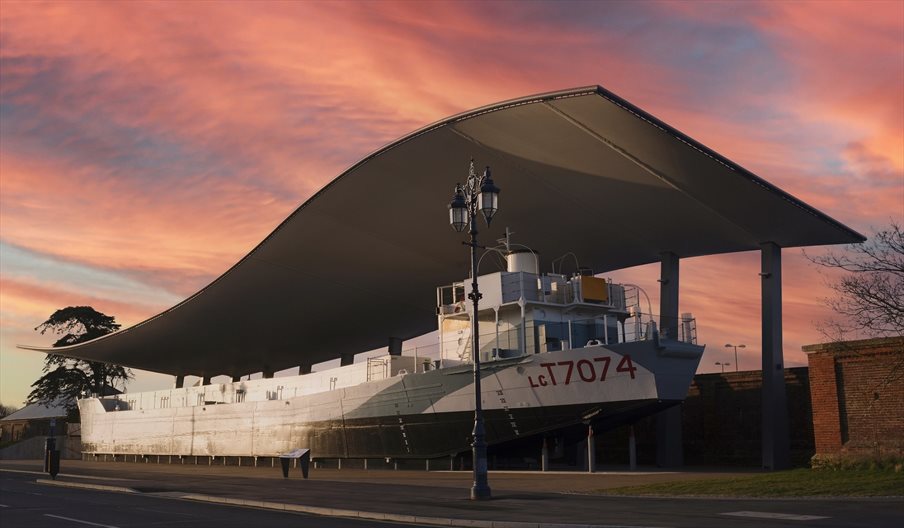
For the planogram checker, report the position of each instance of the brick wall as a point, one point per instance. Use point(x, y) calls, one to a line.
point(721, 423)
point(857, 389)
point(722, 418)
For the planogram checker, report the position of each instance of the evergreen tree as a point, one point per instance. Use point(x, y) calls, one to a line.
point(67, 379)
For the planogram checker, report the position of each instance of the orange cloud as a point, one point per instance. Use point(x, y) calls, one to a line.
point(119, 225)
point(26, 305)
point(164, 140)
point(848, 59)
point(723, 293)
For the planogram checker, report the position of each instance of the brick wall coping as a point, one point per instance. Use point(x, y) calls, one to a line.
point(859, 344)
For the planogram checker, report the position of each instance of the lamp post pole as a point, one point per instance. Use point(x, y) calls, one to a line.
point(480, 489)
point(479, 194)
point(736, 347)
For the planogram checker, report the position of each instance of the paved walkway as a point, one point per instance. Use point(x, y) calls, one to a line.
point(540, 499)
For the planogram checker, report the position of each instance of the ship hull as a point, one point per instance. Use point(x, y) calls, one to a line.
point(422, 415)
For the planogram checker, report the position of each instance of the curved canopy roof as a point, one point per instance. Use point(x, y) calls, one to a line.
point(580, 170)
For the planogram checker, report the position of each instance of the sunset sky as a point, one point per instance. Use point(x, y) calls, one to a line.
point(146, 147)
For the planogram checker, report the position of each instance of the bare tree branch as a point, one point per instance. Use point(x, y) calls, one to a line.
point(871, 296)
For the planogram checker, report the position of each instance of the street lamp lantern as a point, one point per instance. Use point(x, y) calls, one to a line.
point(477, 194)
point(736, 347)
point(723, 365)
point(489, 196)
point(458, 211)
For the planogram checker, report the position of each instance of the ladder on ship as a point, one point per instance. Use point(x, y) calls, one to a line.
point(465, 354)
point(377, 369)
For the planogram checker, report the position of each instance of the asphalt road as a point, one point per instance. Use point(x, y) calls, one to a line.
point(516, 497)
point(23, 503)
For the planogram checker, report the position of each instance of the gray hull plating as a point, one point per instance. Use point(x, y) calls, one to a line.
point(420, 415)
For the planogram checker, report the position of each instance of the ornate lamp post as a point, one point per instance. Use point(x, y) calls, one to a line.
point(478, 194)
point(736, 347)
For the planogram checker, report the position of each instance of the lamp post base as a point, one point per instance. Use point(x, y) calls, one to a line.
point(480, 492)
point(480, 489)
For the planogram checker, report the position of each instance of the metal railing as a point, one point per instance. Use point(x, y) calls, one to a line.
point(538, 337)
point(532, 287)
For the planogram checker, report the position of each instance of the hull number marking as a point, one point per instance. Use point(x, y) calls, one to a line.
point(566, 372)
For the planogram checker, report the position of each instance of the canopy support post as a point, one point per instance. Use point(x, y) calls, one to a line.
point(669, 445)
point(776, 444)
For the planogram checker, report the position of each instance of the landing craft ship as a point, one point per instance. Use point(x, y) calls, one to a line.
point(561, 350)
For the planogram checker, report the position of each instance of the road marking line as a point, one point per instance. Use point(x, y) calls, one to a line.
point(770, 515)
point(168, 512)
point(3, 506)
point(79, 521)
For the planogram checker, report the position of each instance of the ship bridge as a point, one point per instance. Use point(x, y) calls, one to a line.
point(582, 171)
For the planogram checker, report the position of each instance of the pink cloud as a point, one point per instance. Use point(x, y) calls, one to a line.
point(848, 58)
point(723, 293)
point(164, 140)
point(114, 224)
point(32, 304)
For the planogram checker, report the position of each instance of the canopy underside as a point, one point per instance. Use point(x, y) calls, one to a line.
point(580, 170)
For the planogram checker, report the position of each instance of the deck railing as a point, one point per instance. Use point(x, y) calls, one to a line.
point(538, 337)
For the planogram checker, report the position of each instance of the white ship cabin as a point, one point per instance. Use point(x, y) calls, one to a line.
point(522, 312)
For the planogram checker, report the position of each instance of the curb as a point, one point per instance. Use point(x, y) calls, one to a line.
point(332, 512)
point(81, 485)
point(70, 475)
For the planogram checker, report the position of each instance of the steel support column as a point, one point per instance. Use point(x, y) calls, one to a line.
point(669, 445)
point(776, 444)
point(668, 296)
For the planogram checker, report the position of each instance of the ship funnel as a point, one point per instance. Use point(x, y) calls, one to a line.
point(522, 260)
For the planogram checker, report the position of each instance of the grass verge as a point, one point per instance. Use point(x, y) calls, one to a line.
point(793, 483)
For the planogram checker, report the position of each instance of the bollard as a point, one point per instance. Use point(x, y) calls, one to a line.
point(632, 450)
point(544, 456)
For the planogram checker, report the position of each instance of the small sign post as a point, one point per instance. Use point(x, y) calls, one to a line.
point(304, 461)
point(51, 453)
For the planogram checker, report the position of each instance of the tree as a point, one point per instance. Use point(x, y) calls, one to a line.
point(6, 410)
point(67, 379)
point(870, 296)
